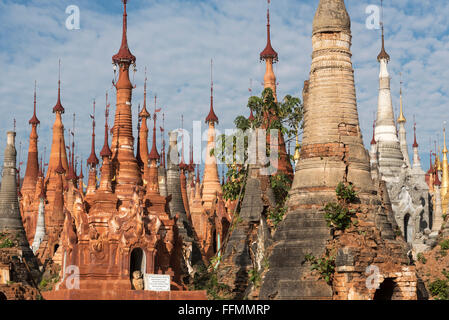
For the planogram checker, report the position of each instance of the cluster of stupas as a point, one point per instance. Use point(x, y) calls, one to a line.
point(151, 213)
point(417, 201)
point(143, 214)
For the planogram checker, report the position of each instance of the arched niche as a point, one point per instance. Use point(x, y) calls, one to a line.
point(408, 228)
point(386, 290)
point(137, 262)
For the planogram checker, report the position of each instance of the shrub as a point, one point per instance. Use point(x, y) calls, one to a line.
point(346, 193)
point(440, 289)
point(421, 258)
point(337, 216)
point(7, 243)
point(207, 280)
point(277, 215)
point(444, 244)
point(254, 276)
point(281, 185)
point(325, 266)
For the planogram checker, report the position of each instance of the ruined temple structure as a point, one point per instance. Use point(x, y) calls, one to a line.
point(18, 266)
point(405, 181)
point(246, 248)
point(270, 56)
point(121, 228)
point(333, 152)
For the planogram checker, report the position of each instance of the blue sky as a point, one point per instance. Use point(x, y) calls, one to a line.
point(176, 39)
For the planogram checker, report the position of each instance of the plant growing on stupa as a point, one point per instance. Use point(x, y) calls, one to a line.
point(346, 193)
point(277, 214)
point(325, 266)
point(337, 214)
point(440, 288)
point(6, 243)
point(206, 279)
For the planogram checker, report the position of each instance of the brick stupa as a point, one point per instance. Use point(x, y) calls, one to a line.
point(333, 152)
point(30, 179)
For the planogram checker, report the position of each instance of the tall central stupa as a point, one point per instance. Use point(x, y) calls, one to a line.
point(332, 152)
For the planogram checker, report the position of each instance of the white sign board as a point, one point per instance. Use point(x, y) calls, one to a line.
point(157, 282)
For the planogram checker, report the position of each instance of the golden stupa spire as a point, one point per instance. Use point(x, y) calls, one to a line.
point(401, 118)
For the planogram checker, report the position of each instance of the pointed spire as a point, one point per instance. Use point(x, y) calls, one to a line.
point(154, 155)
point(42, 193)
point(71, 174)
point(212, 117)
point(58, 107)
point(81, 176)
point(144, 113)
point(41, 168)
point(60, 169)
point(191, 165)
point(163, 141)
point(106, 151)
point(401, 118)
point(437, 181)
point(138, 151)
point(431, 169)
point(124, 55)
point(269, 52)
point(73, 147)
point(34, 120)
point(373, 140)
point(383, 55)
point(415, 144)
point(93, 160)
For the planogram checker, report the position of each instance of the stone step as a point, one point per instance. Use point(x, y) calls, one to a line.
point(303, 234)
point(304, 289)
point(306, 222)
point(291, 258)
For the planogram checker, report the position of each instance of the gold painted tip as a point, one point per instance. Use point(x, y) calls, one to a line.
point(401, 118)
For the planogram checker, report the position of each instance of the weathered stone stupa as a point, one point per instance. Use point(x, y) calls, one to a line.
point(333, 152)
point(17, 262)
